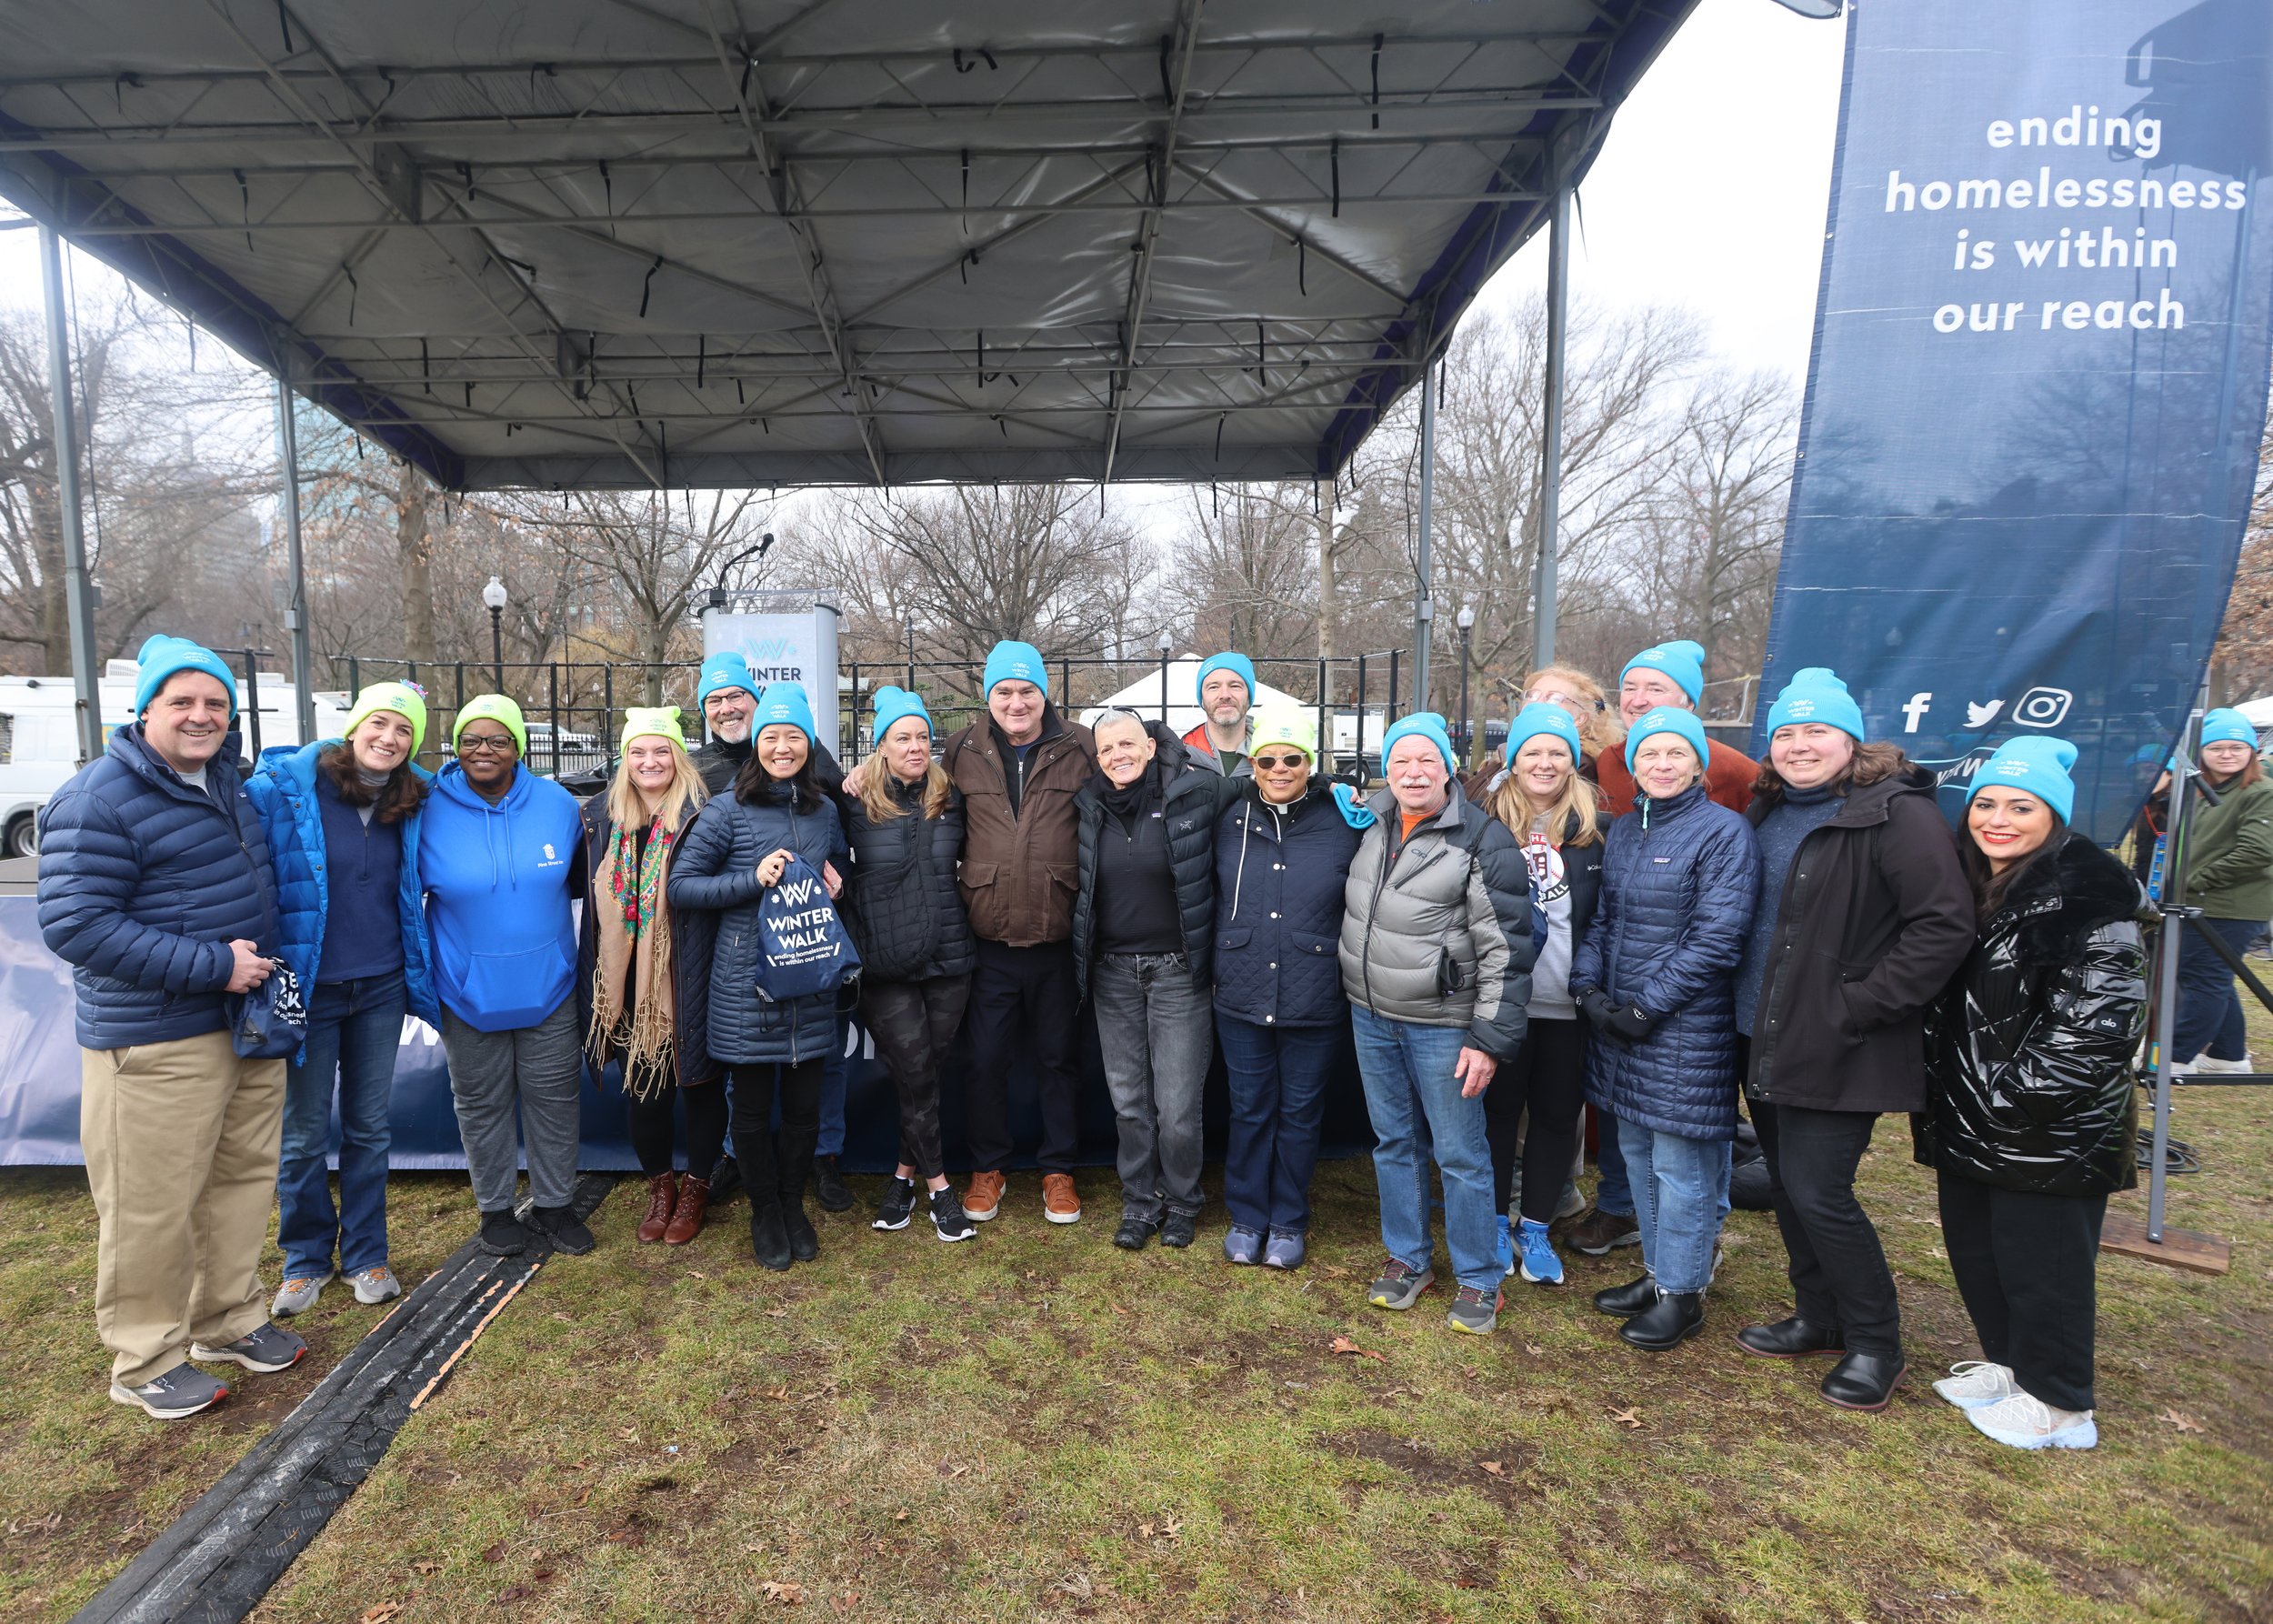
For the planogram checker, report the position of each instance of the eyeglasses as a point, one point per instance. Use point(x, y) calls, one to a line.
point(1271, 763)
point(482, 743)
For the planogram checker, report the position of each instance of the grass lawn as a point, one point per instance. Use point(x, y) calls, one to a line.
point(1034, 1425)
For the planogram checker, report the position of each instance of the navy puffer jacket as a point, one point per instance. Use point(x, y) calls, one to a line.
point(1680, 880)
point(1279, 874)
point(143, 882)
point(715, 869)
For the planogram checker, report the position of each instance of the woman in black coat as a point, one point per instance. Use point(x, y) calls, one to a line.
point(2032, 1118)
point(1863, 918)
point(916, 954)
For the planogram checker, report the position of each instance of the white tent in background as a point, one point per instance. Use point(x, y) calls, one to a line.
point(1143, 697)
point(2259, 711)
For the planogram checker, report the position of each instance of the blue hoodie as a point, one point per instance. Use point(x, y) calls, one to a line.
point(498, 885)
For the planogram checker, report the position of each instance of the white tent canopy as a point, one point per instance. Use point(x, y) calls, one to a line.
point(1143, 697)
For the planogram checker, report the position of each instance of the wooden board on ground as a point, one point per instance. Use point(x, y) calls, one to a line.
point(2180, 1248)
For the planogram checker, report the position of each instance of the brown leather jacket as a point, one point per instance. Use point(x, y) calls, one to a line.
point(1020, 870)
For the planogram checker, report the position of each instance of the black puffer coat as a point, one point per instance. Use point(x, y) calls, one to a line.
point(2029, 1052)
point(1190, 799)
point(907, 917)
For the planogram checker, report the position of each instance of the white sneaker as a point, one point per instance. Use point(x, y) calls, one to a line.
point(2227, 1067)
point(1972, 1383)
point(2025, 1422)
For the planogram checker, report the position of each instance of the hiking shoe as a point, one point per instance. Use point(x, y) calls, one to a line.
point(984, 1199)
point(1285, 1251)
point(182, 1391)
point(897, 1206)
point(1475, 1310)
point(1973, 1383)
point(1179, 1229)
point(1398, 1286)
point(1061, 1203)
point(948, 1220)
point(1503, 1245)
point(1540, 1265)
point(2027, 1422)
point(566, 1231)
point(1599, 1231)
point(503, 1235)
point(297, 1295)
point(264, 1349)
point(375, 1285)
point(663, 1200)
point(829, 1188)
point(1242, 1246)
point(1134, 1233)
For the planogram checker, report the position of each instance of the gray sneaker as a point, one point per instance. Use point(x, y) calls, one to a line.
point(375, 1285)
point(1399, 1286)
point(297, 1295)
point(1475, 1311)
point(182, 1391)
point(262, 1350)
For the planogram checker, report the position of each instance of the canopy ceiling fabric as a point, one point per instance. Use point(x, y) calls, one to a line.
point(737, 242)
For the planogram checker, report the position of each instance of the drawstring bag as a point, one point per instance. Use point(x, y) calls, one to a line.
point(270, 1022)
point(803, 946)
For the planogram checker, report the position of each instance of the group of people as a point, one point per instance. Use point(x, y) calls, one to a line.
point(1622, 914)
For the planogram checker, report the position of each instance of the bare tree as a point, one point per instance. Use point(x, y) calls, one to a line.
point(1244, 575)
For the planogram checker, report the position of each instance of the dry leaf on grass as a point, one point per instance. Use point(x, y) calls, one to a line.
point(1495, 1469)
point(900, 1515)
point(787, 1591)
point(1626, 1417)
point(1344, 1345)
point(1534, 1350)
point(381, 1613)
point(2183, 1423)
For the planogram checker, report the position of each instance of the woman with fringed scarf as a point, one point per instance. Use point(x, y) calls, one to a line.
point(648, 968)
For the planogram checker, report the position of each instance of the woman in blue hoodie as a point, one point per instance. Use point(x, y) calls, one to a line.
point(343, 817)
point(501, 856)
point(732, 856)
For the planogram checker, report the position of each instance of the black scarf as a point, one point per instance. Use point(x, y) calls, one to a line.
point(1137, 798)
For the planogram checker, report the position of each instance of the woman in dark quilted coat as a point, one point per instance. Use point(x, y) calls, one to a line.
point(916, 954)
point(2031, 1117)
point(1654, 977)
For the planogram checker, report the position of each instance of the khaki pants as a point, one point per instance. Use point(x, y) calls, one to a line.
point(180, 1141)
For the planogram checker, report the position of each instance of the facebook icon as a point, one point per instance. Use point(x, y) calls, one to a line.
point(1914, 708)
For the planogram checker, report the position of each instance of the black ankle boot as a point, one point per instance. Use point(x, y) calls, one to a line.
point(1865, 1380)
point(1793, 1339)
point(804, 1244)
point(1623, 1302)
point(1671, 1321)
point(769, 1241)
point(830, 1187)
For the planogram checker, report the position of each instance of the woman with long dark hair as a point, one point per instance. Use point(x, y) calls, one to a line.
point(2032, 1114)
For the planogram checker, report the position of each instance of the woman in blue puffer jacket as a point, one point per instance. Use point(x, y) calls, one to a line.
point(343, 819)
point(731, 855)
point(1655, 976)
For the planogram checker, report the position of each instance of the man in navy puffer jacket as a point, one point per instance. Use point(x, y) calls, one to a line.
point(154, 886)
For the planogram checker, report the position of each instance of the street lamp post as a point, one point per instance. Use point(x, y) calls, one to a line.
point(1168, 647)
point(494, 599)
point(911, 653)
point(1465, 621)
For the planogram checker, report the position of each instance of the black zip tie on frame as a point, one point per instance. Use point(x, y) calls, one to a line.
point(702, 358)
point(426, 367)
point(284, 22)
point(1333, 161)
point(1221, 419)
point(646, 285)
point(245, 192)
point(1376, 80)
point(347, 271)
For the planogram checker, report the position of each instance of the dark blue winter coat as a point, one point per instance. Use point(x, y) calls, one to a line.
point(143, 882)
point(1279, 874)
point(283, 787)
point(1679, 879)
point(715, 868)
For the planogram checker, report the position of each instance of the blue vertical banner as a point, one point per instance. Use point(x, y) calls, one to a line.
point(2038, 382)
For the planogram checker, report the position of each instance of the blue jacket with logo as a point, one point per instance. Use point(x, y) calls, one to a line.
point(143, 882)
point(498, 882)
point(283, 787)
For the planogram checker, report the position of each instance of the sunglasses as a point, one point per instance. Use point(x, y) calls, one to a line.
point(1271, 763)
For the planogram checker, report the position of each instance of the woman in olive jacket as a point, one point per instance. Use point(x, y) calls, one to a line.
point(2229, 876)
point(2031, 1119)
point(1863, 918)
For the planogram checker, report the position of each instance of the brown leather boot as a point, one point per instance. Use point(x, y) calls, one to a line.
point(663, 1194)
point(686, 1222)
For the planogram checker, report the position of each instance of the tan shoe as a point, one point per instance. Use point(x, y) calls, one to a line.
point(984, 1199)
point(662, 1195)
point(1060, 1203)
point(686, 1218)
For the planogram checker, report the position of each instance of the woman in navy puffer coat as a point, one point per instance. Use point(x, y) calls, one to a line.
point(1655, 976)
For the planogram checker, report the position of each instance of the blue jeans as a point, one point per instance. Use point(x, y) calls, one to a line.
point(1277, 1108)
point(1409, 1090)
point(835, 1077)
point(354, 1030)
point(2209, 1006)
point(1680, 1190)
point(1612, 1192)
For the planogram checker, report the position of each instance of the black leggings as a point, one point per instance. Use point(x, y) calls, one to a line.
point(649, 1123)
point(2026, 1267)
point(775, 1165)
point(913, 1022)
point(1547, 1078)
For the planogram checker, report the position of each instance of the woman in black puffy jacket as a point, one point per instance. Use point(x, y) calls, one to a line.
point(916, 954)
point(2031, 1117)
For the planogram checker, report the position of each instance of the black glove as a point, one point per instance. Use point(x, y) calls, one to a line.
point(1595, 1005)
point(1628, 1021)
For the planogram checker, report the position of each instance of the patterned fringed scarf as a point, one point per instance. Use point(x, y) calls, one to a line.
point(634, 937)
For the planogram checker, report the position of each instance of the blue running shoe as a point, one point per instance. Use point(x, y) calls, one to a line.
point(1507, 1246)
point(1541, 1266)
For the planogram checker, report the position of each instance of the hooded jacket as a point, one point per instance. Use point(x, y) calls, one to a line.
point(1189, 798)
point(1679, 879)
point(2028, 1053)
point(1280, 877)
point(692, 935)
point(143, 882)
point(499, 882)
point(906, 915)
point(1437, 931)
point(282, 790)
point(1206, 756)
point(1020, 868)
point(2229, 870)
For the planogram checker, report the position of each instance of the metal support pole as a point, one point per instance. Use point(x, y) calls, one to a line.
point(1325, 733)
point(296, 564)
point(1551, 431)
point(1425, 606)
point(1163, 687)
point(2172, 905)
point(78, 591)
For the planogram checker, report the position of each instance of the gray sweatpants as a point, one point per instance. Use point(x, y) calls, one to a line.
point(540, 1068)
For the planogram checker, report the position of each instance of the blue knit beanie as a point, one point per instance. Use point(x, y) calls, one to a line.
point(1537, 717)
point(1430, 725)
point(2037, 764)
point(1666, 719)
point(1683, 661)
point(162, 657)
point(725, 670)
point(893, 705)
point(2225, 725)
point(1238, 664)
point(1816, 694)
point(1015, 662)
point(784, 702)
